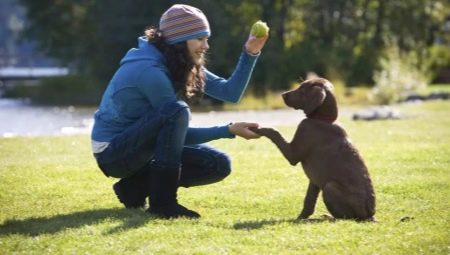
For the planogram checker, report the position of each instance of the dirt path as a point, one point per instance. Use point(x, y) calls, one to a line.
point(264, 118)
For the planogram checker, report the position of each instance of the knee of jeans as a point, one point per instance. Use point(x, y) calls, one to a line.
point(223, 165)
point(172, 107)
point(176, 111)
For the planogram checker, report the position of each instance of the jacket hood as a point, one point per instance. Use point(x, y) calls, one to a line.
point(145, 51)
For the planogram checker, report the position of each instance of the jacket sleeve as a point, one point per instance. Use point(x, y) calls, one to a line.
point(231, 89)
point(158, 89)
point(156, 86)
point(198, 135)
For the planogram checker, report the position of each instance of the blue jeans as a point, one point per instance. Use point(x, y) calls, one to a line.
point(158, 137)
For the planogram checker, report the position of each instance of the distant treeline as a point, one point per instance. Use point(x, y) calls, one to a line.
point(338, 39)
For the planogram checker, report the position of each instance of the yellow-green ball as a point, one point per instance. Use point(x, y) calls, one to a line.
point(260, 29)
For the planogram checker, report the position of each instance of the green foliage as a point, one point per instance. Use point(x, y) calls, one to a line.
point(398, 77)
point(65, 90)
point(438, 58)
point(90, 35)
point(56, 201)
point(327, 37)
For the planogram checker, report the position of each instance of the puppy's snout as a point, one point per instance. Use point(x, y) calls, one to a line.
point(285, 96)
point(288, 98)
point(292, 99)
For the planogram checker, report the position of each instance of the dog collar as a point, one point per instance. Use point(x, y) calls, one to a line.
point(326, 118)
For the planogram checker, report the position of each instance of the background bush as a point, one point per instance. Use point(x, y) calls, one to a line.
point(66, 90)
point(335, 39)
point(398, 76)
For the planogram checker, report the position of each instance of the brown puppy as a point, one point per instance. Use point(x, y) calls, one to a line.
point(332, 164)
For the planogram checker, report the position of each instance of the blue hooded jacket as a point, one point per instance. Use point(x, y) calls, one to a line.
point(142, 83)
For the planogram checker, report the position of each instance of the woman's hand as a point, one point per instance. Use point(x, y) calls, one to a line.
point(242, 129)
point(255, 44)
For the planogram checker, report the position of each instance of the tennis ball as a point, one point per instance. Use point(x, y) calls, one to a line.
point(260, 29)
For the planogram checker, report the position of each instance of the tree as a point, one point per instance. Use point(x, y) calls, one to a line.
point(90, 35)
point(341, 39)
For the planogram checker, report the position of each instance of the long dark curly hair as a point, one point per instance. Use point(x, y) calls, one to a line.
point(188, 78)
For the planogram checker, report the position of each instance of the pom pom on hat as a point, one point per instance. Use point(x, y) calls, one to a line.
point(183, 22)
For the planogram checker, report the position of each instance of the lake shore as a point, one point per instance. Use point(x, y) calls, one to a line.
point(20, 118)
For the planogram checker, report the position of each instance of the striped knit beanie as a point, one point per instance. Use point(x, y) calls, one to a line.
point(183, 22)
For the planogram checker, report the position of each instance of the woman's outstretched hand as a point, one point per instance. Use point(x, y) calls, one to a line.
point(242, 129)
point(255, 44)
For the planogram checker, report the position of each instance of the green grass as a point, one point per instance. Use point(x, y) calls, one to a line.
point(54, 200)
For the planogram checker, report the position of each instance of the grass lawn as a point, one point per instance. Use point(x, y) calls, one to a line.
point(55, 201)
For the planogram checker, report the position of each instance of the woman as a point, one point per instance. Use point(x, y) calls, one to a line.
point(141, 132)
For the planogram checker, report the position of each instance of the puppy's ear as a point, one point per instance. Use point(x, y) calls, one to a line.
point(314, 98)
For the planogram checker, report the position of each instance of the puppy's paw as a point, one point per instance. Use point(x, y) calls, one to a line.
point(264, 131)
point(327, 217)
point(302, 216)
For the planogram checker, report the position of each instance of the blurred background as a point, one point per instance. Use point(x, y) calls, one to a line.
point(63, 53)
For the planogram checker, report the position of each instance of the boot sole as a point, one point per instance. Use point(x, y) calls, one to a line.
point(170, 213)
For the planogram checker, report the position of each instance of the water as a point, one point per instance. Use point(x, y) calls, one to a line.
point(20, 118)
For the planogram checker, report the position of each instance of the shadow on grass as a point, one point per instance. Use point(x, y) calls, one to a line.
point(250, 225)
point(129, 218)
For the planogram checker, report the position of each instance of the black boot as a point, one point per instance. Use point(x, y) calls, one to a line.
point(132, 191)
point(163, 194)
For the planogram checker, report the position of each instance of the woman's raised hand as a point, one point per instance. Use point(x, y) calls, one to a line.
point(255, 44)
